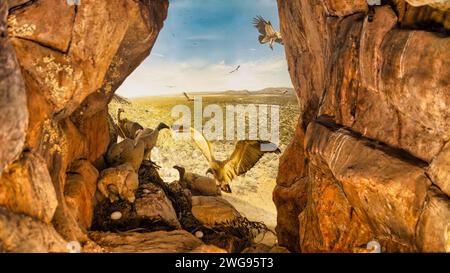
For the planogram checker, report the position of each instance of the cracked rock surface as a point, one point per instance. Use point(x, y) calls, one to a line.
point(369, 154)
point(60, 66)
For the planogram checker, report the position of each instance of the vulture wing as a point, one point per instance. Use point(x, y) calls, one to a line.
point(203, 144)
point(269, 29)
point(115, 154)
point(260, 24)
point(246, 154)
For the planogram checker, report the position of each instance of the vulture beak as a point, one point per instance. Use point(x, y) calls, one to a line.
point(226, 188)
point(162, 125)
point(210, 171)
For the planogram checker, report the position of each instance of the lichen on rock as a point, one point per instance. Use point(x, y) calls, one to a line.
point(14, 29)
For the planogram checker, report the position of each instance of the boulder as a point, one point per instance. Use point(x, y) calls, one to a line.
point(79, 190)
point(211, 211)
point(13, 107)
point(72, 59)
point(95, 128)
point(19, 233)
point(290, 202)
point(69, 53)
point(153, 203)
point(178, 241)
point(355, 185)
point(257, 248)
point(371, 138)
point(433, 16)
point(439, 4)
point(433, 228)
point(208, 249)
point(439, 170)
point(26, 187)
point(290, 193)
point(262, 248)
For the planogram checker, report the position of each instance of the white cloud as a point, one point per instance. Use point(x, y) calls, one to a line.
point(200, 75)
point(158, 55)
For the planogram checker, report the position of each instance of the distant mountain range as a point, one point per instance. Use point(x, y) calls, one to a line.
point(265, 91)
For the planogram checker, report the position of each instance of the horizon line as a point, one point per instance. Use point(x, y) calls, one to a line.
point(204, 92)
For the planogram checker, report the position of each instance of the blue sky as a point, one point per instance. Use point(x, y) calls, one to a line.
point(202, 40)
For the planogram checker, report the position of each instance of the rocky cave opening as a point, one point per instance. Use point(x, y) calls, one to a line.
point(369, 159)
point(251, 194)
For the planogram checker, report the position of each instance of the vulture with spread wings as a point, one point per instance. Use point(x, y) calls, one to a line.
point(268, 34)
point(245, 155)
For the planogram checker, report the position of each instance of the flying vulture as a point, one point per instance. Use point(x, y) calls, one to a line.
point(268, 34)
point(135, 150)
point(128, 151)
point(245, 155)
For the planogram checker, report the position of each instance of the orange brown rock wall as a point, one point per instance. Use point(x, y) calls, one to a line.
point(71, 60)
point(370, 148)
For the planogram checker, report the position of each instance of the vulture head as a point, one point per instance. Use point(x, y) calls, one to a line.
point(162, 125)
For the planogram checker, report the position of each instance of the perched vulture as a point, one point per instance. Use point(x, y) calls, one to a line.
point(128, 151)
point(268, 34)
point(150, 138)
point(245, 155)
point(127, 128)
point(119, 182)
point(135, 150)
point(198, 185)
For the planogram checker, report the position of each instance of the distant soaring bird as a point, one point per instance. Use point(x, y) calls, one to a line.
point(268, 34)
point(244, 157)
point(237, 68)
